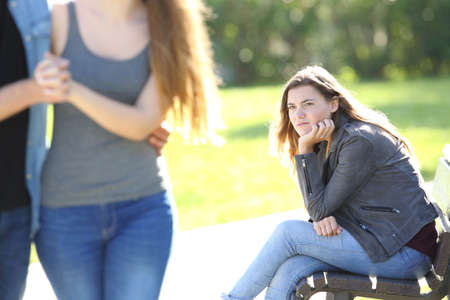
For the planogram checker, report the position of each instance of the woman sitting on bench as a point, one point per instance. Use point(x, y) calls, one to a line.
point(361, 187)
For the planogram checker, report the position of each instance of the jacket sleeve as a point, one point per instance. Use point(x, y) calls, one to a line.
point(356, 163)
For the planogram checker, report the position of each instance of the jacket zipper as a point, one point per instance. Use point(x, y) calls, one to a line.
point(381, 209)
point(305, 172)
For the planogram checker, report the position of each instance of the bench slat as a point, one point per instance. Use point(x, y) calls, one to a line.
point(348, 281)
point(398, 286)
point(441, 260)
point(319, 280)
point(303, 289)
point(433, 281)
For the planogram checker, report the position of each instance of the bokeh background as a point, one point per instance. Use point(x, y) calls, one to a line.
point(265, 41)
point(393, 55)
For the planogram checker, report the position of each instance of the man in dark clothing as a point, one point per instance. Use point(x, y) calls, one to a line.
point(21, 45)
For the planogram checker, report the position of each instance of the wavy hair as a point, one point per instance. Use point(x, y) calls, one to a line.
point(284, 138)
point(181, 59)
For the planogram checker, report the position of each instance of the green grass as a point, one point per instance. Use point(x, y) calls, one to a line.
point(241, 180)
point(33, 254)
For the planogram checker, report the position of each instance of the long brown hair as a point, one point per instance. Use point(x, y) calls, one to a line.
point(181, 59)
point(285, 138)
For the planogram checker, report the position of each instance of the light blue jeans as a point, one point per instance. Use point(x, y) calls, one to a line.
point(295, 251)
point(113, 251)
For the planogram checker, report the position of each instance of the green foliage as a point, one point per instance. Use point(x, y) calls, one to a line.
point(257, 41)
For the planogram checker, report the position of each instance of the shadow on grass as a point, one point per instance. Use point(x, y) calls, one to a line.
point(253, 131)
point(428, 174)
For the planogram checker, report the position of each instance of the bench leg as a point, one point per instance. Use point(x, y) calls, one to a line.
point(339, 296)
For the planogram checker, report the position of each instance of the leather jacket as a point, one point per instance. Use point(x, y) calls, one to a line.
point(369, 184)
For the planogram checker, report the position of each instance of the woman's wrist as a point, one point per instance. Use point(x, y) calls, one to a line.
point(74, 93)
point(304, 149)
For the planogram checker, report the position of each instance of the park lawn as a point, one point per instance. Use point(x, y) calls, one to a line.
point(241, 180)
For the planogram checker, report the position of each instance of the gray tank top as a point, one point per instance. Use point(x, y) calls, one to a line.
point(86, 163)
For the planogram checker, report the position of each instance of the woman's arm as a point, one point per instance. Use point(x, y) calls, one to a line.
point(356, 163)
point(134, 122)
point(131, 122)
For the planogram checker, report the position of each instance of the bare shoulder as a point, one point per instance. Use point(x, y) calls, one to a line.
point(60, 26)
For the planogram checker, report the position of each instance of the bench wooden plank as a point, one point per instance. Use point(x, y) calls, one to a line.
point(319, 280)
point(348, 281)
point(441, 260)
point(441, 186)
point(397, 287)
point(433, 281)
point(303, 289)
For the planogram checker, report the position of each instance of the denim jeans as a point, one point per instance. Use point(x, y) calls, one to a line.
point(295, 251)
point(14, 252)
point(112, 251)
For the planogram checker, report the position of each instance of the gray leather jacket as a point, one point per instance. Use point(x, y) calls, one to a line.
point(369, 184)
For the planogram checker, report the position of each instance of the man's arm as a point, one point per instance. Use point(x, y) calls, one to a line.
point(17, 96)
point(21, 94)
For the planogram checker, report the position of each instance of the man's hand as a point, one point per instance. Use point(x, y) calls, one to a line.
point(327, 227)
point(160, 137)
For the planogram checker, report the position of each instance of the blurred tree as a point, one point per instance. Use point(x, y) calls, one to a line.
point(258, 41)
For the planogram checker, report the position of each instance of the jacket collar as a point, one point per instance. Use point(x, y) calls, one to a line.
point(342, 119)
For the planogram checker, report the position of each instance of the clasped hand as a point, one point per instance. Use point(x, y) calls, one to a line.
point(54, 78)
point(327, 227)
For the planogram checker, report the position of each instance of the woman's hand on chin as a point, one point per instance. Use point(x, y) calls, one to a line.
point(319, 132)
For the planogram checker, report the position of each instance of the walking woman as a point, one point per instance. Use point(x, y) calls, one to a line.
point(107, 214)
point(361, 187)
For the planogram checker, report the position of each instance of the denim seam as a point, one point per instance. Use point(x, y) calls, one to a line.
point(297, 245)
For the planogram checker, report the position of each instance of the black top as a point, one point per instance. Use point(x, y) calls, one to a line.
point(13, 131)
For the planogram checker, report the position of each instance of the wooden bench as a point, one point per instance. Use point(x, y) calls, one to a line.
point(345, 286)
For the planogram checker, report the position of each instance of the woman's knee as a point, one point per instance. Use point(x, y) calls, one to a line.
point(287, 228)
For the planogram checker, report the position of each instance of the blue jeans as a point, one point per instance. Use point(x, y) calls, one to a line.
point(111, 251)
point(295, 251)
point(14, 252)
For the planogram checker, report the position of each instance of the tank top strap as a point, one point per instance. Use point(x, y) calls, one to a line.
point(74, 37)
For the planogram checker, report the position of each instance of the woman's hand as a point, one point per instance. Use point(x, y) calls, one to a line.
point(52, 75)
point(327, 227)
point(319, 132)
